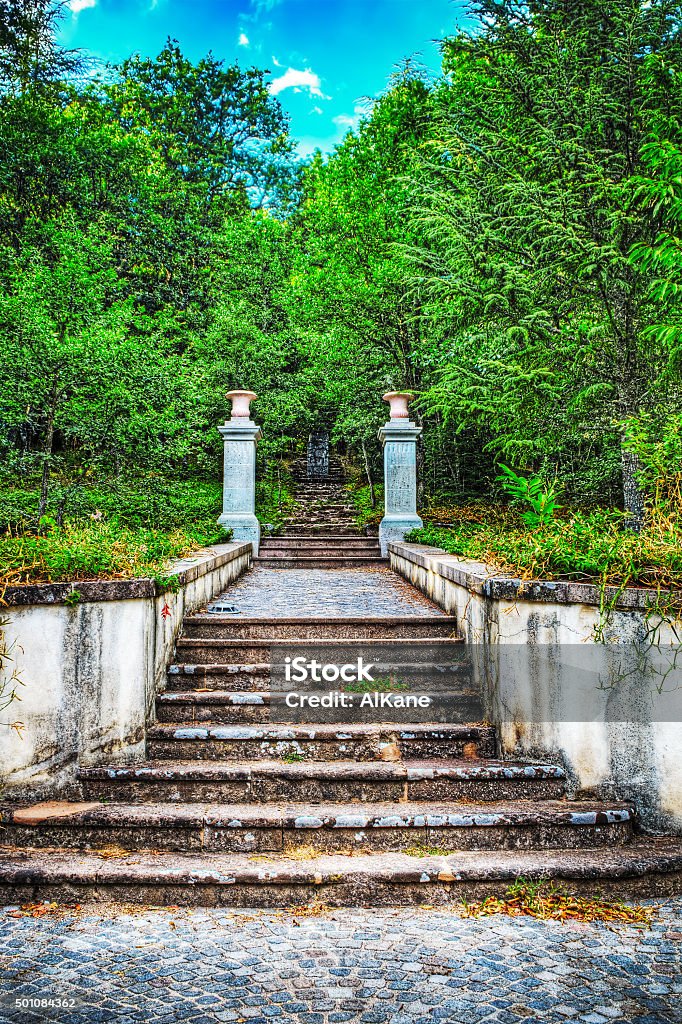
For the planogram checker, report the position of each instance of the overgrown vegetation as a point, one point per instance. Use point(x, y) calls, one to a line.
point(503, 241)
point(118, 531)
point(546, 900)
point(98, 551)
point(585, 546)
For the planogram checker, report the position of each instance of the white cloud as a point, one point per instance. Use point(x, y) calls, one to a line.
point(318, 110)
point(349, 121)
point(276, 62)
point(243, 40)
point(298, 80)
point(76, 6)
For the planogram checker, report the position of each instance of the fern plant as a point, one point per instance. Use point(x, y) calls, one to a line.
point(531, 491)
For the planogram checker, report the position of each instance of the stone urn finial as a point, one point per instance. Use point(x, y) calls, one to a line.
point(241, 400)
point(399, 401)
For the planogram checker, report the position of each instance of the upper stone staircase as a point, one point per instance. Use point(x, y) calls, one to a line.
point(322, 530)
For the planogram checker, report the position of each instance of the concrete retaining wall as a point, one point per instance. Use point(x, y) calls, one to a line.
point(91, 669)
point(606, 711)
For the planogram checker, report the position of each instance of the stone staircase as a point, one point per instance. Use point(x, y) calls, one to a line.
point(235, 808)
point(238, 804)
point(322, 531)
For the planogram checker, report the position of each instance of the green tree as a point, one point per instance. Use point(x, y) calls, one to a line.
point(217, 127)
point(31, 60)
point(59, 327)
point(528, 203)
point(350, 298)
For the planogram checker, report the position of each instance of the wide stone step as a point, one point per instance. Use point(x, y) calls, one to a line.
point(378, 627)
point(320, 549)
point(323, 514)
point(234, 677)
point(304, 530)
point(351, 541)
point(651, 867)
point(320, 781)
point(315, 545)
point(328, 828)
point(324, 499)
point(207, 650)
point(220, 707)
point(357, 741)
point(257, 677)
point(320, 562)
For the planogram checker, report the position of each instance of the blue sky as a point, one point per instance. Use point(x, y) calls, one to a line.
point(324, 55)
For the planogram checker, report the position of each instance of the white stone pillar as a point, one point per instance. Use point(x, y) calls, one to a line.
point(240, 435)
point(399, 438)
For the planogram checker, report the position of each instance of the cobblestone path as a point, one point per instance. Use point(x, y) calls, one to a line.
point(370, 966)
point(370, 590)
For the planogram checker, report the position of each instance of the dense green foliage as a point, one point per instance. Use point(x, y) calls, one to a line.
point(504, 241)
point(586, 546)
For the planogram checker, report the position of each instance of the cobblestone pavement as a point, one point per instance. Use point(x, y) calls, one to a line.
point(371, 590)
point(398, 966)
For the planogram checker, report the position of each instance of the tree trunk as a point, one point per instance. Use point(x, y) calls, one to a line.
point(368, 471)
point(633, 498)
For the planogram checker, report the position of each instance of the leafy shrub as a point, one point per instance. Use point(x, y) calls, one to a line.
point(530, 490)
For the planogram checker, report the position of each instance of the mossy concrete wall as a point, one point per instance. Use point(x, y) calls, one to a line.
point(91, 665)
point(610, 712)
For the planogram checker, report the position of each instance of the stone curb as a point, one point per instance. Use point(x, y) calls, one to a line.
point(479, 578)
point(185, 570)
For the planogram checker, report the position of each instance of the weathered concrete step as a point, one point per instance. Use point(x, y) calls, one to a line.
point(651, 867)
point(218, 707)
point(304, 530)
point(319, 561)
point(320, 742)
point(326, 498)
point(325, 515)
point(351, 540)
point(322, 551)
point(211, 650)
point(351, 543)
point(283, 561)
point(257, 677)
point(322, 545)
point(320, 781)
point(234, 677)
point(332, 492)
point(319, 628)
point(328, 828)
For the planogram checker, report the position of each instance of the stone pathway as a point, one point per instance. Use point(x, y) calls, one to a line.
point(370, 966)
point(370, 590)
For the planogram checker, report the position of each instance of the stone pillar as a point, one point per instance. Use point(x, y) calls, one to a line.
point(399, 438)
point(240, 435)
